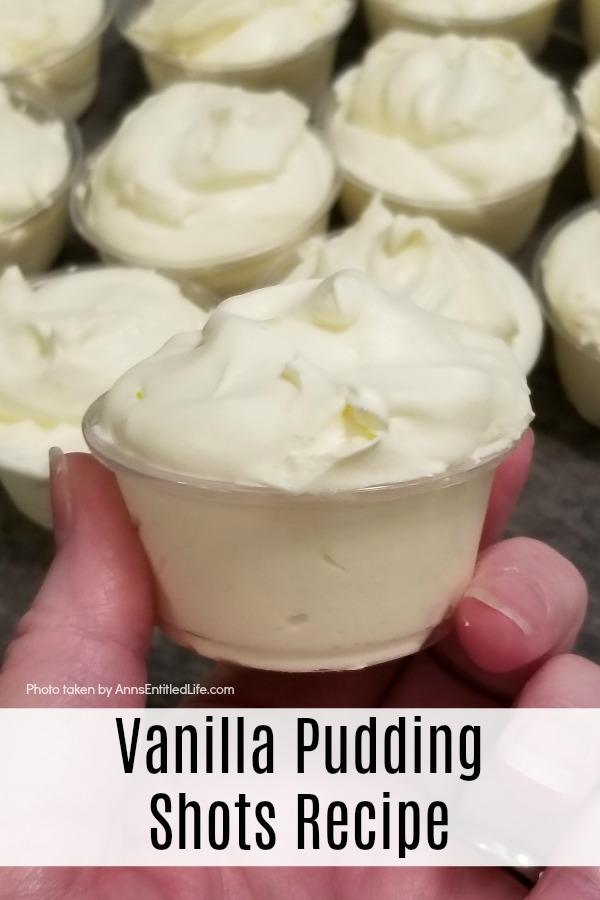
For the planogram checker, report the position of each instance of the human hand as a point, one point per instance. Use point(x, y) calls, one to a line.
point(92, 622)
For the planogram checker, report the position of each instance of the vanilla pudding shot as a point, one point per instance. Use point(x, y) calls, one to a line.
point(257, 44)
point(568, 271)
point(527, 22)
point(326, 506)
point(444, 273)
point(466, 130)
point(63, 341)
point(39, 156)
point(210, 184)
point(54, 47)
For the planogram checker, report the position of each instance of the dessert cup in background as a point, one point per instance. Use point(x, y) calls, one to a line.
point(527, 22)
point(42, 154)
point(587, 96)
point(258, 46)
point(66, 71)
point(441, 272)
point(62, 339)
point(405, 124)
point(590, 26)
point(567, 273)
point(235, 183)
point(341, 531)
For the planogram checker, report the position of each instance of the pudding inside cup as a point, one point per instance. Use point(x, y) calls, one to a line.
point(63, 339)
point(326, 563)
point(42, 154)
point(235, 183)
point(66, 72)
point(568, 280)
point(405, 124)
point(528, 23)
point(268, 46)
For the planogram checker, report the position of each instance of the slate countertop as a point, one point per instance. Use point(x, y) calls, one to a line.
point(561, 504)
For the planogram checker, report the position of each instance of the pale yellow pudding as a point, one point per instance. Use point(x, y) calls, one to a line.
point(326, 506)
point(568, 271)
point(63, 340)
point(256, 44)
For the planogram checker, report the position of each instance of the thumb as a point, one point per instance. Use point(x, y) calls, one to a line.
point(91, 622)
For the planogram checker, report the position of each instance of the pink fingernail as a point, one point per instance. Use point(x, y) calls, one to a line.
point(488, 598)
point(62, 501)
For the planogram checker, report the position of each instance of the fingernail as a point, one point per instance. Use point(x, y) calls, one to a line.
point(62, 500)
point(510, 593)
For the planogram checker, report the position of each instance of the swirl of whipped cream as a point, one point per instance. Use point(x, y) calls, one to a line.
point(320, 385)
point(448, 119)
point(466, 9)
point(418, 260)
point(65, 341)
point(202, 173)
point(236, 32)
point(571, 276)
point(36, 31)
point(35, 159)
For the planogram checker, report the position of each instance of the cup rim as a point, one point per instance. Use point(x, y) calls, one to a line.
point(124, 18)
point(119, 460)
point(33, 104)
point(80, 187)
point(43, 63)
point(330, 106)
point(457, 22)
point(537, 277)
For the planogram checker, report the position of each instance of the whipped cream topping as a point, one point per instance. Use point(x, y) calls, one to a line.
point(65, 341)
point(320, 385)
point(466, 9)
point(419, 261)
point(448, 119)
point(36, 31)
point(571, 275)
point(236, 32)
point(203, 173)
point(35, 159)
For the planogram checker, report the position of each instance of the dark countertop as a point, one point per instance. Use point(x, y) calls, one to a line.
point(561, 504)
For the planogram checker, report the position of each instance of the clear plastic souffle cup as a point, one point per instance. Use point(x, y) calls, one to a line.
point(306, 73)
point(578, 364)
point(504, 222)
point(71, 79)
point(33, 241)
point(302, 582)
point(214, 279)
point(530, 28)
point(590, 26)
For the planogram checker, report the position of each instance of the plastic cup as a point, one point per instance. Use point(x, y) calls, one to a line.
point(504, 222)
point(305, 74)
point(34, 241)
point(295, 583)
point(590, 132)
point(530, 28)
point(578, 365)
point(214, 279)
point(70, 80)
point(590, 24)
